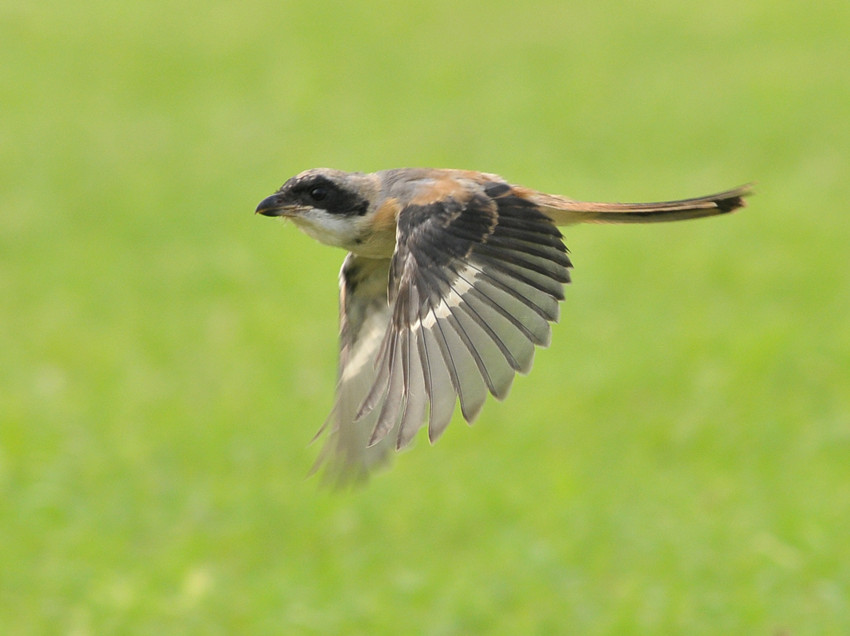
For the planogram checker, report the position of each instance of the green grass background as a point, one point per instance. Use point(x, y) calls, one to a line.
point(677, 462)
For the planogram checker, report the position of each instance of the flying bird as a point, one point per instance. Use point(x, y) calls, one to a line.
point(452, 278)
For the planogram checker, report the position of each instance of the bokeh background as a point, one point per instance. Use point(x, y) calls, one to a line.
point(677, 462)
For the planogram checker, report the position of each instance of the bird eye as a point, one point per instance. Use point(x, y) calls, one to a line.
point(319, 193)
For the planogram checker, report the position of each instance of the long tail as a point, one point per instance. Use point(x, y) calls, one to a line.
point(564, 211)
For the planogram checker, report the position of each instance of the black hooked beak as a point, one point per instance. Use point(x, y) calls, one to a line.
point(274, 205)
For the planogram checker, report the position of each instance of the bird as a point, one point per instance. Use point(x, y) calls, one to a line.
point(451, 280)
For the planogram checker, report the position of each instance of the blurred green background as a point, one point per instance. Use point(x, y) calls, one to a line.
point(677, 462)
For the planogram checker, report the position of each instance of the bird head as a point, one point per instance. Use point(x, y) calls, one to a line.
point(332, 206)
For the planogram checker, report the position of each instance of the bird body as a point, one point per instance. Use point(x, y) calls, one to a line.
point(451, 280)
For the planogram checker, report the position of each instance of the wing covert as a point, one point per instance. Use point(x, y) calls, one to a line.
point(473, 286)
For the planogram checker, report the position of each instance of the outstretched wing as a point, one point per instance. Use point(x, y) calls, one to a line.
point(364, 318)
point(474, 282)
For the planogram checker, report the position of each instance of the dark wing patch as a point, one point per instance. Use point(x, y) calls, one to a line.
point(473, 285)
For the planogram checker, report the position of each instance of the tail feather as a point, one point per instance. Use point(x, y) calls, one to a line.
point(564, 211)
